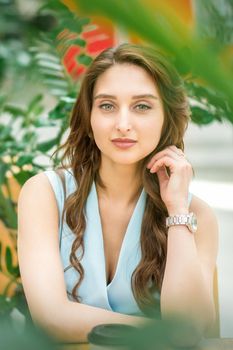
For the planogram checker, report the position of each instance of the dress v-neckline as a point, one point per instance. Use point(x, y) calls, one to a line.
point(125, 238)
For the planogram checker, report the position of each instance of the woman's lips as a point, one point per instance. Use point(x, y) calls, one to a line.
point(123, 145)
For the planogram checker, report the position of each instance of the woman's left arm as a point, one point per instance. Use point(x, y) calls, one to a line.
point(187, 288)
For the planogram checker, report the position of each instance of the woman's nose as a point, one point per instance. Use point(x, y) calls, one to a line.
point(123, 123)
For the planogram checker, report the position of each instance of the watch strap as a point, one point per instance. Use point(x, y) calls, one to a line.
point(181, 219)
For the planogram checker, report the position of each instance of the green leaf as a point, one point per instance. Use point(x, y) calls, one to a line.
point(68, 99)
point(50, 65)
point(29, 136)
point(20, 300)
point(47, 145)
point(80, 42)
point(53, 5)
point(15, 111)
point(13, 270)
point(2, 100)
point(3, 169)
point(34, 103)
point(84, 59)
point(201, 116)
point(6, 305)
point(23, 176)
point(67, 41)
point(44, 56)
point(40, 123)
point(52, 73)
point(84, 20)
point(57, 92)
point(37, 111)
point(60, 111)
point(25, 159)
point(5, 132)
point(56, 82)
point(8, 257)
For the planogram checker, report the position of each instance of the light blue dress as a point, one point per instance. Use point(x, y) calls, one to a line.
point(117, 295)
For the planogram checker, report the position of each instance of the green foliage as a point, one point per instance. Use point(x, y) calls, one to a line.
point(13, 270)
point(215, 20)
point(198, 59)
point(31, 338)
point(162, 335)
point(31, 54)
point(46, 50)
point(210, 105)
point(8, 304)
point(175, 333)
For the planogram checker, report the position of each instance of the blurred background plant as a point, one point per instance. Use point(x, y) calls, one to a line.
point(34, 74)
point(27, 339)
point(202, 54)
point(164, 335)
point(31, 55)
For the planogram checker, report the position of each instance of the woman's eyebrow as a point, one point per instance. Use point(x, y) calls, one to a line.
point(133, 97)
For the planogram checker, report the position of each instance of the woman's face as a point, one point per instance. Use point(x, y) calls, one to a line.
point(119, 111)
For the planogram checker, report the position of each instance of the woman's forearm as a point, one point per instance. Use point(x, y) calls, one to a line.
point(184, 290)
point(73, 321)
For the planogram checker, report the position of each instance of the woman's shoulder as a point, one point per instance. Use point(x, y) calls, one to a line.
point(45, 181)
point(36, 196)
point(36, 187)
point(39, 180)
point(52, 180)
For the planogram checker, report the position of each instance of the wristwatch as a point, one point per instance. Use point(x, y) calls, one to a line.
point(190, 220)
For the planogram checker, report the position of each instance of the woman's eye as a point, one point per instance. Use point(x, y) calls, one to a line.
point(144, 107)
point(106, 106)
point(109, 107)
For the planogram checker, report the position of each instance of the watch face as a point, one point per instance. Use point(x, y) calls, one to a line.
point(194, 223)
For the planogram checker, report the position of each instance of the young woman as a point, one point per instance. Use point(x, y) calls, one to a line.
point(128, 245)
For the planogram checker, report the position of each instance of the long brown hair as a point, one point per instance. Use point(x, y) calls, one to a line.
point(83, 158)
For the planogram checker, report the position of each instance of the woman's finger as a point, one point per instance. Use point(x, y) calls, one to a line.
point(162, 175)
point(181, 164)
point(167, 152)
point(164, 161)
point(177, 150)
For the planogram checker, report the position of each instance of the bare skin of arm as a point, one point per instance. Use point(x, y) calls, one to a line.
point(42, 271)
point(187, 288)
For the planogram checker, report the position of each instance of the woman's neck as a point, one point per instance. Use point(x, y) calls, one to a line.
point(123, 183)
